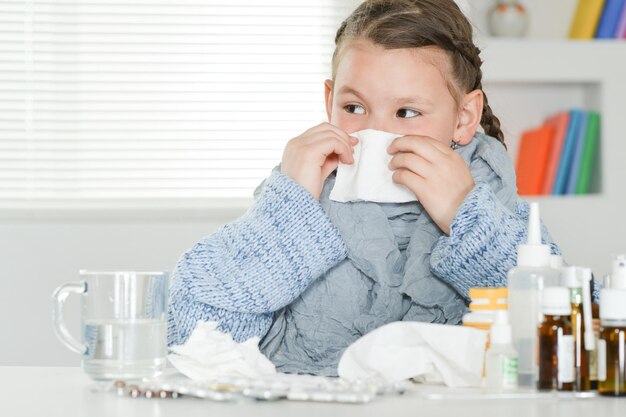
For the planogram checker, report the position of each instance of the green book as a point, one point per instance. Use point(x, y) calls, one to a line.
point(592, 136)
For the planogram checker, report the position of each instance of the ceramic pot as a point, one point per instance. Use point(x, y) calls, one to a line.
point(508, 18)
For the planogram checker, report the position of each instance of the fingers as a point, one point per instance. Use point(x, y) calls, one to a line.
point(342, 134)
point(320, 142)
point(325, 139)
point(437, 175)
point(331, 164)
point(325, 129)
point(428, 148)
point(310, 157)
point(412, 162)
point(411, 180)
point(331, 145)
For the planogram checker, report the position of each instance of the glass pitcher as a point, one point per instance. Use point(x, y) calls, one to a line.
point(123, 322)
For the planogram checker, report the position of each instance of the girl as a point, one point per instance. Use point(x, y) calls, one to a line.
point(309, 275)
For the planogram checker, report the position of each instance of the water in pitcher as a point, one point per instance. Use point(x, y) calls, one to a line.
point(124, 348)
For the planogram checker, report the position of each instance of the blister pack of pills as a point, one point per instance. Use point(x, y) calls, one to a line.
point(268, 388)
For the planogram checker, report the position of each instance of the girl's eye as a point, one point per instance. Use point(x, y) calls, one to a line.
point(407, 113)
point(354, 108)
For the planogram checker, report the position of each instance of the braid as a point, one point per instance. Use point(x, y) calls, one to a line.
point(489, 121)
point(471, 54)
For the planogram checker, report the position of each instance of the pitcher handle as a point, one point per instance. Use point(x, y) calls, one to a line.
point(58, 299)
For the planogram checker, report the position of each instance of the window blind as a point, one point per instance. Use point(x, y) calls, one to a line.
point(106, 103)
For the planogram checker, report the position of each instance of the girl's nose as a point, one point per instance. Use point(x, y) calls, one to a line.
point(379, 123)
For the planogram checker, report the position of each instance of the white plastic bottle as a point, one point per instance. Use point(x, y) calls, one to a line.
point(501, 360)
point(556, 262)
point(526, 282)
point(617, 279)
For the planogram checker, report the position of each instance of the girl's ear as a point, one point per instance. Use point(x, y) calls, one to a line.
point(328, 97)
point(470, 113)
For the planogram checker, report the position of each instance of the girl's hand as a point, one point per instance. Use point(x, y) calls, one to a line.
point(309, 158)
point(437, 175)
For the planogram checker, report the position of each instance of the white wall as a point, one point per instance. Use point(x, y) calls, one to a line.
point(546, 18)
point(37, 256)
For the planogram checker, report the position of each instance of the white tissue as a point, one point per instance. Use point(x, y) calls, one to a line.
point(210, 353)
point(429, 353)
point(369, 177)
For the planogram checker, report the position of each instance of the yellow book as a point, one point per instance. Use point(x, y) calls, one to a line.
point(586, 19)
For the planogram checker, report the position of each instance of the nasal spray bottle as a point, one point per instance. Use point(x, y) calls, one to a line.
point(526, 282)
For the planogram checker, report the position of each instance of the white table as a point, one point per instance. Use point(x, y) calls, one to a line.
point(66, 392)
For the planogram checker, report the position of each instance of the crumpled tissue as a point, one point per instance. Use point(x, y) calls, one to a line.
point(425, 352)
point(210, 353)
point(369, 177)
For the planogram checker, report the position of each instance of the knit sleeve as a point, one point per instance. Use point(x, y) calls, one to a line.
point(252, 267)
point(482, 246)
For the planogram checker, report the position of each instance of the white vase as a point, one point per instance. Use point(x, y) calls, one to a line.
point(508, 18)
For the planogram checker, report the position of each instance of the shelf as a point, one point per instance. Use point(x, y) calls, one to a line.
point(551, 60)
point(527, 80)
point(524, 104)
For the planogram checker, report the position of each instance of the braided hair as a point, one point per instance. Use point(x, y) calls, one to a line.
point(396, 24)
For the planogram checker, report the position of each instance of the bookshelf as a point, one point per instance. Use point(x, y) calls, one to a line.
point(528, 79)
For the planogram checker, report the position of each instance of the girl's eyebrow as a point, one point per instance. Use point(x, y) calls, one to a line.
point(349, 90)
point(414, 99)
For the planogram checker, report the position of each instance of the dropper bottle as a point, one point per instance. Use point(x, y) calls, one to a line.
point(501, 358)
point(525, 283)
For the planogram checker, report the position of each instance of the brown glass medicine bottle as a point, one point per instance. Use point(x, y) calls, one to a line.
point(556, 342)
point(584, 329)
point(612, 343)
point(593, 355)
point(572, 280)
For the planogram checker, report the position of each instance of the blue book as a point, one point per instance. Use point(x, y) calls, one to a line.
point(565, 162)
point(610, 19)
point(579, 144)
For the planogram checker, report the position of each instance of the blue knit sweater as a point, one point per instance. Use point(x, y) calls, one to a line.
point(247, 270)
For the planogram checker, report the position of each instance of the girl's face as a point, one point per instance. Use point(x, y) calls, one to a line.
point(402, 91)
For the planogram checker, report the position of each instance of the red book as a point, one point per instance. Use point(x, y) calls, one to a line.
point(560, 123)
point(532, 160)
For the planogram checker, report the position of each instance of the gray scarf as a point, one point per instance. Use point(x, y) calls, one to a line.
point(386, 276)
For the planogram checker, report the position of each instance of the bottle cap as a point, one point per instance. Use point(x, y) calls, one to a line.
point(612, 304)
point(501, 329)
point(488, 298)
point(533, 253)
point(556, 261)
point(618, 276)
point(555, 301)
point(570, 278)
